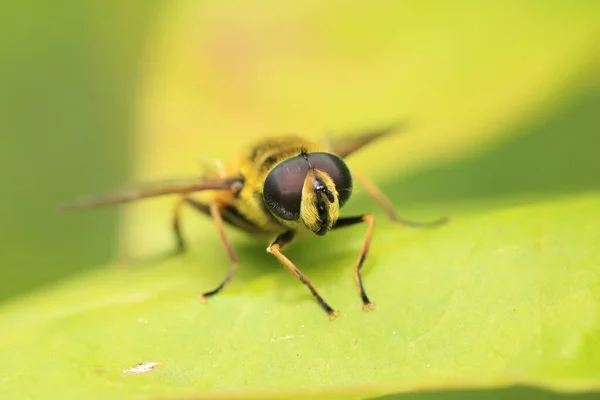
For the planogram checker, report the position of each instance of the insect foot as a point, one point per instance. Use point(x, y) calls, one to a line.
point(203, 298)
point(368, 306)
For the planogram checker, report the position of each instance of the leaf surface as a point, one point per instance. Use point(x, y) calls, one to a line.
point(490, 300)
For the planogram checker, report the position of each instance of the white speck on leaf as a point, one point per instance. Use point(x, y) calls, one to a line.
point(141, 368)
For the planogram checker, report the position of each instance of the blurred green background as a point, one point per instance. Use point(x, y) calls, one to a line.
point(69, 71)
point(98, 94)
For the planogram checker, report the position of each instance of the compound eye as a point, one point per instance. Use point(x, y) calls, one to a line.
point(282, 190)
point(337, 170)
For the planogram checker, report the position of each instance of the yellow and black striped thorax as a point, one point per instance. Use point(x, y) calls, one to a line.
point(264, 155)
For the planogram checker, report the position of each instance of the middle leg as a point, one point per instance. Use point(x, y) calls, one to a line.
point(216, 214)
point(214, 211)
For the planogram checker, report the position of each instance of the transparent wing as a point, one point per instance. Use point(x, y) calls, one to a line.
point(154, 189)
point(346, 145)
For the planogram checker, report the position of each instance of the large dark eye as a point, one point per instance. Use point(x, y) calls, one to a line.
point(283, 188)
point(337, 170)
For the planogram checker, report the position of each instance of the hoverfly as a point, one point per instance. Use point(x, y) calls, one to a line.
point(277, 189)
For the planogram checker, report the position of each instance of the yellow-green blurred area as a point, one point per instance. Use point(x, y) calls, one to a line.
point(502, 100)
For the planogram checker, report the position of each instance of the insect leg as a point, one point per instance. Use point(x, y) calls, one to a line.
point(370, 219)
point(275, 248)
point(385, 203)
point(216, 214)
point(176, 218)
point(212, 210)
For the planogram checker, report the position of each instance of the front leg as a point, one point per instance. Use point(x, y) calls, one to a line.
point(275, 248)
point(369, 219)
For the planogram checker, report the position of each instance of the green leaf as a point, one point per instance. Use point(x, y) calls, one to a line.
point(496, 299)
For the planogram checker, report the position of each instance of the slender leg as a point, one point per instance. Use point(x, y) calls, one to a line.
point(384, 202)
point(177, 225)
point(214, 211)
point(176, 218)
point(370, 219)
point(275, 248)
